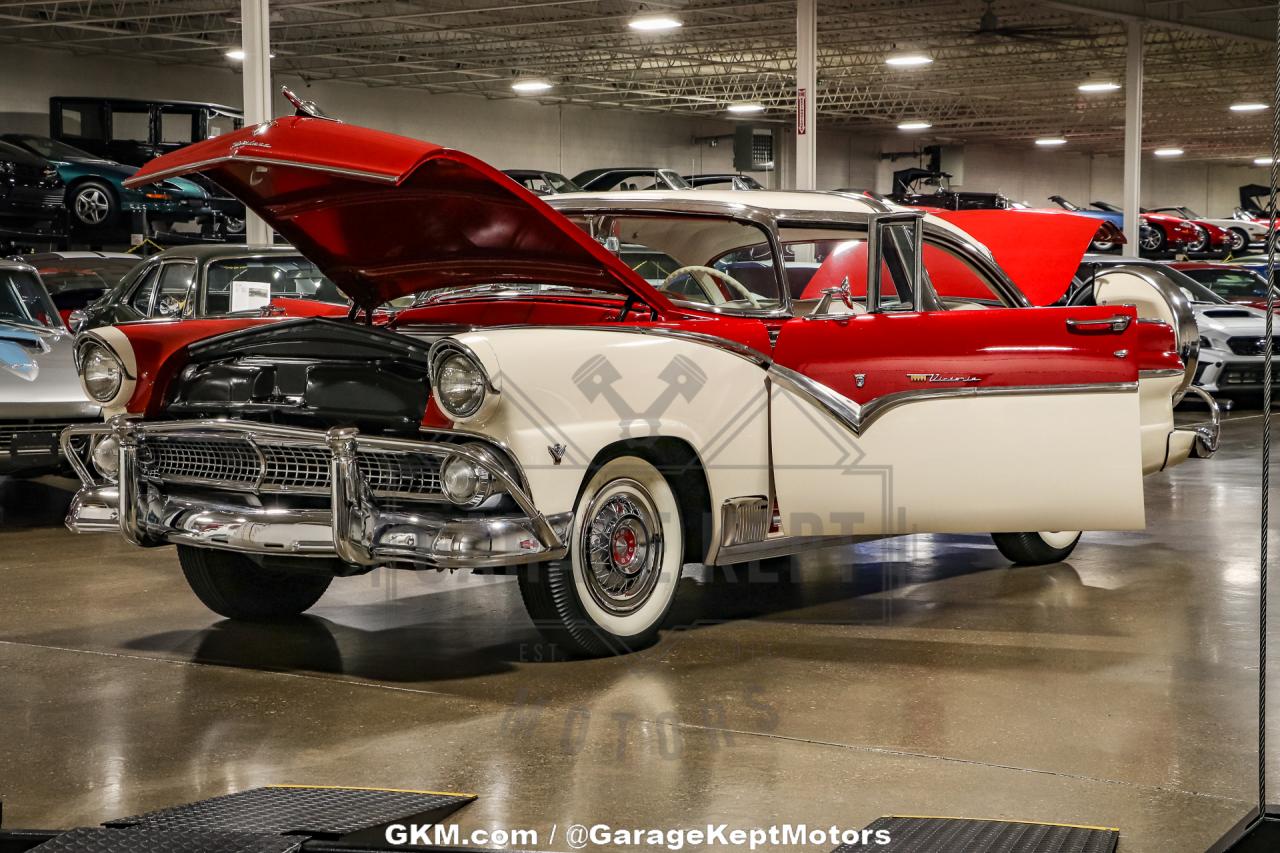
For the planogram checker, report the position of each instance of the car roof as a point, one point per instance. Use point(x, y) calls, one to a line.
point(589, 174)
point(147, 101)
point(41, 257)
point(212, 252)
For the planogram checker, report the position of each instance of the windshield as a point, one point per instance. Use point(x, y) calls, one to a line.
point(1233, 284)
point(704, 261)
point(23, 300)
point(49, 149)
point(85, 274)
point(240, 285)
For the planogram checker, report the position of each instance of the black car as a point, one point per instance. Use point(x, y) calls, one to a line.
point(31, 192)
point(213, 281)
point(726, 181)
point(630, 178)
point(133, 131)
point(954, 200)
point(539, 182)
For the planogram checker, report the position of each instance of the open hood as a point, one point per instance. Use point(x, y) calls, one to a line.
point(1039, 250)
point(385, 216)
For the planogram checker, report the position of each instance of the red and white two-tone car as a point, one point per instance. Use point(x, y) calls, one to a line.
point(808, 369)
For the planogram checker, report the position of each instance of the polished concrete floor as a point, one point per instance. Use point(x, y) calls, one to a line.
point(915, 676)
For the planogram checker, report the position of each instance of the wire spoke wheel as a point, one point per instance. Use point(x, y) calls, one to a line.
point(622, 544)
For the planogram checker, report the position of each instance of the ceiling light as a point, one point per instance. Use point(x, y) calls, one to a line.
point(654, 23)
point(915, 125)
point(1262, 161)
point(1250, 107)
point(1168, 152)
point(745, 108)
point(238, 54)
point(530, 85)
point(1051, 140)
point(1098, 86)
point(908, 60)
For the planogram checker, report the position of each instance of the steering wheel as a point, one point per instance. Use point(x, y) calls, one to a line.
point(708, 287)
point(169, 306)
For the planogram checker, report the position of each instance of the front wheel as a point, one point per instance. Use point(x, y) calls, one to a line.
point(236, 587)
point(93, 205)
point(1037, 549)
point(1239, 240)
point(1152, 240)
point(611, 593)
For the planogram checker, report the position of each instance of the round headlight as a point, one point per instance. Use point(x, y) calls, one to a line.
point(464, 482)
point(460, 385)
point(101, 373)
point(106, 457)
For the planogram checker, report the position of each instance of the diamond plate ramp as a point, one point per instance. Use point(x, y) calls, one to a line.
point(146, 839)
point(959, 835)
point(280, 809)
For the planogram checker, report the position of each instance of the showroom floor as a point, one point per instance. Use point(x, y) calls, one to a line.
point(1116, 689)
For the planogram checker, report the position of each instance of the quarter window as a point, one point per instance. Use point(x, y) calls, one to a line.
point(144, 291)
point(956, 281)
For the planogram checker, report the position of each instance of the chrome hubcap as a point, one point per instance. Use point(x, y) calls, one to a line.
point(621, 544)
point(1238, 241)
point(234, 225)
point(92, 206)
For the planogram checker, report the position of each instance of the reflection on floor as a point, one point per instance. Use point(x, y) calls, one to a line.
point(919, 676)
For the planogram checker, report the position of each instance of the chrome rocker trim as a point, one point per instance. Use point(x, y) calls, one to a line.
point(353, 529)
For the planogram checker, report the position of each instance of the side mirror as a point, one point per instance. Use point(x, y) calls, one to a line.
point(76, 321)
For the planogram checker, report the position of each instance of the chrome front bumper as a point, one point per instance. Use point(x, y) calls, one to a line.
point(353, 528)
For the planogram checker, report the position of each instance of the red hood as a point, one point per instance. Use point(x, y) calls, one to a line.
point(1039, 250)
point(385, 216)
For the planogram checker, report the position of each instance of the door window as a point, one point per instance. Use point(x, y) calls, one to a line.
point(178, 127)
point(175, 287)
point(144, 292)
point(130, 125)
point(81, 121)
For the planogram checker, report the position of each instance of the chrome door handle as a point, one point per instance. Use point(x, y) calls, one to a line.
point(1104, 326)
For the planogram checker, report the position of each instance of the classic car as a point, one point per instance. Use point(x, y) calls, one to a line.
point(630, 178)
point(946, 199)
point(96, 196)
point(40, 392)
point(542, 183)
point(1231, 335)
point(217, 280)
point(30, 190)
point(133, 131)
point(76, 278)
point(865, 371)
point(1241, 234)
point(1157, 234)
point(727, 181)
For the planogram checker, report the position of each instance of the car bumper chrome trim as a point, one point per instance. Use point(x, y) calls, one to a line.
point(1208, 435)
point(354, 528)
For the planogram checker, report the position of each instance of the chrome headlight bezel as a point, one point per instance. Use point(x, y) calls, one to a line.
point(86, 353)
point(486, 483)
point(452, 354)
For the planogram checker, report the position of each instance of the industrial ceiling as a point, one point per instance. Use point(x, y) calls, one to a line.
point(1006, 70)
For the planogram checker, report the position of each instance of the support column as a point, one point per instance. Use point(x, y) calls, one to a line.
point(1133, 139)
point(806, 96)
point(255, 40)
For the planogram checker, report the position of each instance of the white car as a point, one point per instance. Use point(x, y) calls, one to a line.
point(1243, 232)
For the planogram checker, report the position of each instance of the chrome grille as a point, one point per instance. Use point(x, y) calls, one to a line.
point(9, 430)
point(272, 466)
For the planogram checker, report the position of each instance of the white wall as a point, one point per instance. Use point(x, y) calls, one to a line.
point(521, 133)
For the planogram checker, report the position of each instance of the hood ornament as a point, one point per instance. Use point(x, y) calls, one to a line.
point(302, 107)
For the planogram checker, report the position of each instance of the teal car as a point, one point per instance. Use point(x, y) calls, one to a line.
point(96, 197)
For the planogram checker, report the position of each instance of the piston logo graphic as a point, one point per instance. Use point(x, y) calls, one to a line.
point(598, 378)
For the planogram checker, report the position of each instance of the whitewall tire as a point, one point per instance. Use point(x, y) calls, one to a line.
point(1037, 549)
point(611, 594)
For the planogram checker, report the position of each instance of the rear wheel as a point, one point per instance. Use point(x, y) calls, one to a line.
point(234, 586)
point(93, 205)
point(1036, 549)
point(1239, 240)
point(612, 592)
point(1152, 240)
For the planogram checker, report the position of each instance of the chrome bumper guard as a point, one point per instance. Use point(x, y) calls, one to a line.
point(353, 529)
point(1207, 435)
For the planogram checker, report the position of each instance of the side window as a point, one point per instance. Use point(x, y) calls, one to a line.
point(130, 125)
point(956, 281)
point(175, 284)
point(81, 121)
point(179, 127)
point(141, 297)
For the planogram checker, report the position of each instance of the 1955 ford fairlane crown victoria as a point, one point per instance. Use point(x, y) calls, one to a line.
point(813, 368)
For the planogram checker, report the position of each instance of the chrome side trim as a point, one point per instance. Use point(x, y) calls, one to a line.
point(1163, 373)
point(744, 520)
point(783, 546)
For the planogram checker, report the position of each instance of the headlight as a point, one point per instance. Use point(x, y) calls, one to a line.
point(106, 457)
point(460, 385)
point(464, 482)
point(101, 373)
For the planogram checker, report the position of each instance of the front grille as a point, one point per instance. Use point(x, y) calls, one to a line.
point(1245, 375)
point(1247, 345)
point(274, 466)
